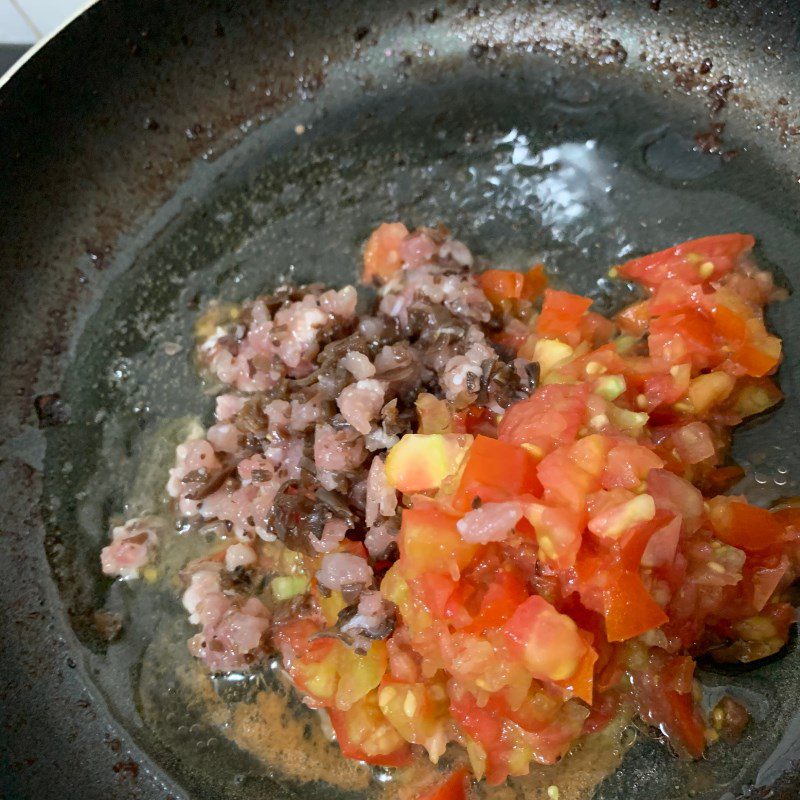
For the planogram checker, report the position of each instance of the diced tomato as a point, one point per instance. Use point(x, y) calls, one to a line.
point(673, 296)
point(635, 319)
point(694, 442)
point(558, 532)
point(753, 396)
point(678, 674)
point(662, 544)
point(501, 284)
point(548, 642)
point(636, 540)
point(676, 496)
point(476, 420)
point(534, 282)
point(678, 338)
point(402, 662)
point(687, 261)
point(730, 324)
point(581, 683)
point(381, 252)
point(435, 589)
point(514, 648)
point(550, 417)
point(298, 635)
point(628, 466)
point(595, 328)
point(629, 608)
point(421, 462)
point(709, 390)
point(759, 357)
point(612, 513)
point(430, 542)
point(494, 470)
point(364, 734)
point(561, 313)
point(359, 673)
point(453, 787)
point(428, 706)
point(478, 723)
point(683, 726)
point(604, 360)
point(742, 525)
point(604, 709)
point(662, 390)
point(564, 482)
point(501, 598)
point(533, 712)
point(721, 479)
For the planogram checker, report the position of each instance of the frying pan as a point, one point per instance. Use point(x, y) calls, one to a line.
point(157, 155)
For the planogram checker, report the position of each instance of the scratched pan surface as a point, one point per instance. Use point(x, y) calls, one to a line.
point(157, 155)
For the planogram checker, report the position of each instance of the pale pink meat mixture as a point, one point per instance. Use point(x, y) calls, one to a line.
point(132, 545)
point(312, 397)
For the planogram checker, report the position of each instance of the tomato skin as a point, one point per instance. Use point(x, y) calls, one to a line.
point(728, 323)
point(453, 787)
point(561, 313)
point(686, 725)
point(684, 261)
point(475, 420)
point(744, 526)
point(629, 608)
point(674, 713)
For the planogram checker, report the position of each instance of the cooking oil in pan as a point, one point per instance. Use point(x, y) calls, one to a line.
point(571, 174)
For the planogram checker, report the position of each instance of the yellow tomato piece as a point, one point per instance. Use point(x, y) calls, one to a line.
point(359, 674)
point(707, 391)
point(321, 678)
point(420, 462)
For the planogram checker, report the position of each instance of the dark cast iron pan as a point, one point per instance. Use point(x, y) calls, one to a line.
point(151, 158)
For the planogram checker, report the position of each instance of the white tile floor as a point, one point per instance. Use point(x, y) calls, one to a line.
point(26, 21)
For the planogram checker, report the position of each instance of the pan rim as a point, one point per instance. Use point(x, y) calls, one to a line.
point(43, 42)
